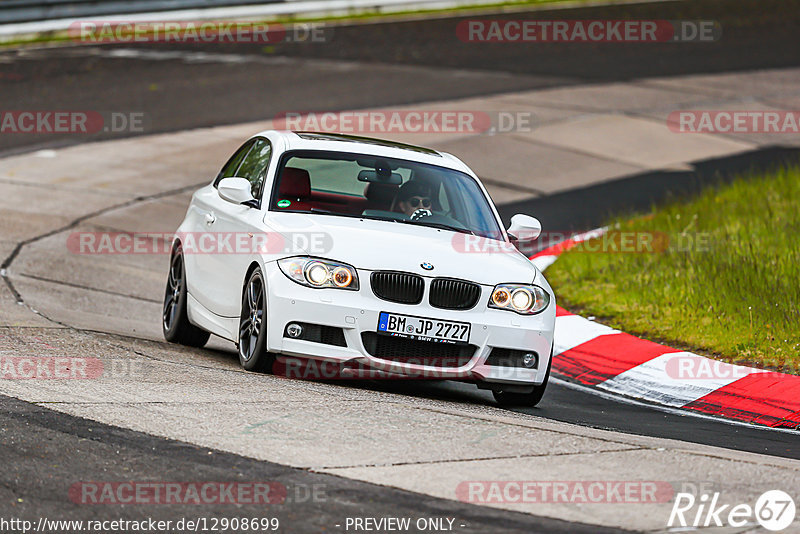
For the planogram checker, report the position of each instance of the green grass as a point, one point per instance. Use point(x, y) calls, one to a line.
point(736, 297)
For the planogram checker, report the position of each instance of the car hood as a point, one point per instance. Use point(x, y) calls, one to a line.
point(386, 245)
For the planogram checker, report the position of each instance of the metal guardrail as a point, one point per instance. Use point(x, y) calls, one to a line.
point(14, 11)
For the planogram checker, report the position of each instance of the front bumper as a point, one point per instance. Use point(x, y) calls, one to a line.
point(356, 312)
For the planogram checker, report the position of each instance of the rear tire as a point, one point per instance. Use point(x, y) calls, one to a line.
point(174, 317)
point(252, 346)
point(524, 400)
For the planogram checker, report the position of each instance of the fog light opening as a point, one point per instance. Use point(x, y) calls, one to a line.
point(294, 330)
point(530, 360)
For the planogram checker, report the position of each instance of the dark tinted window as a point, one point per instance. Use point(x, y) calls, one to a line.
point(254, 165)
point(327, 183)
point(230, 168)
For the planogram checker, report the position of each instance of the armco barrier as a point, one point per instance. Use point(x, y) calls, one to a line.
point(13, 11)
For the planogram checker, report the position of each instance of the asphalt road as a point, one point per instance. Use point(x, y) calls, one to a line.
point(390, 64)
point(45, 453)
point(189, 86)
point(563, 403)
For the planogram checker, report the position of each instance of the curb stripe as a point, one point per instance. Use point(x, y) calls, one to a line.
point(772, 399)
point(560, 312)
point(606, 357)
point(653, 381)
point(597, 355)
point(573, 330)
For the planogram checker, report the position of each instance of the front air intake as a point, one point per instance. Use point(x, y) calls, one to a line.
point(450, 294)
point(403, 288)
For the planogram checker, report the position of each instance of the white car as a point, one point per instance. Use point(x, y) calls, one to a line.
point(364, 253)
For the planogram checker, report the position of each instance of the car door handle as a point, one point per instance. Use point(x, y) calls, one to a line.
point(210, 219)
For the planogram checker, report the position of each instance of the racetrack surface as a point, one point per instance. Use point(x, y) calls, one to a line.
point(35, 437)
point(176, 90)
point(191, 86)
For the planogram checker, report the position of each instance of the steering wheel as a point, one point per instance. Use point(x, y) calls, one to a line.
point(421, 213)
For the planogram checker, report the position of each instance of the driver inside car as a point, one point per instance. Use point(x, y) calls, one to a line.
point(412, 197)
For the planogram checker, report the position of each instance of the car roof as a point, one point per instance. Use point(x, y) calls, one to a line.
point(336, 142)
point(318, 136)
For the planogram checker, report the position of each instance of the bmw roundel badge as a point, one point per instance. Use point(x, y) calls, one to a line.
point(427, 266)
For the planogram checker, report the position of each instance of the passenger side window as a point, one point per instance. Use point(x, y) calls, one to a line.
point(254, 165)
point(230, 168)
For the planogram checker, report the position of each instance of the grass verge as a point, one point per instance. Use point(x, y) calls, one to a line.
point(719, 274)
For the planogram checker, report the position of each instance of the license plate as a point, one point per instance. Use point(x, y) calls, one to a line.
point(423, 328)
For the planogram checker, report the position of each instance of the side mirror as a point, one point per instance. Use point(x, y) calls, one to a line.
point(524, 227)
point(236, 191)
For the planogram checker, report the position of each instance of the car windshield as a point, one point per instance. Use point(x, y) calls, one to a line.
point(373, 187)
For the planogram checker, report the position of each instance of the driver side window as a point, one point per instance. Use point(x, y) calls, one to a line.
point(254, 165)
point(230, 168)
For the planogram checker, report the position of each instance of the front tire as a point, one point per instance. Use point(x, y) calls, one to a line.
point(524, 400)
point(252, 346)
point(174, 317)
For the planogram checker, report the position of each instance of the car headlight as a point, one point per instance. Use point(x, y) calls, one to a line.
point(317, 273)
point(520, 298)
